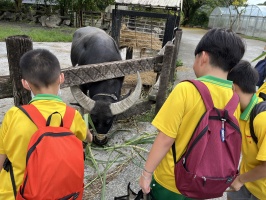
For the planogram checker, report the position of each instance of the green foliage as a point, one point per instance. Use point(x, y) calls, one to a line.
point(84, 5)
point(37, 34)
point(147, 116)
point(199, 19)
point(110, 159)
point(7, 5)
point(253, 38)
point(238, 2)
point(179, 63)
point(192, 8)
point(259, 57)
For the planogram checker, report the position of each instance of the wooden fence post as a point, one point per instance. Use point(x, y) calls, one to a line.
point(178, 36)
point(16, 46)
point(164, 76)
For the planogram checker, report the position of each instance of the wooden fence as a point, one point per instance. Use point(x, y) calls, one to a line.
point(163, 63)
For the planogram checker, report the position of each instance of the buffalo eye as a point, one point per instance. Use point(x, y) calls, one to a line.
point(108, 121)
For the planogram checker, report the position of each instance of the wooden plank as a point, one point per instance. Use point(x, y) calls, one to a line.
point(6, 90)
point(164, 76)
point(98, 72)
point(178, 36)
point(93, 73)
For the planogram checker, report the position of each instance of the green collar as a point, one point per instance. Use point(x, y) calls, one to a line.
point(245, 115)
point(46, 97)
point(216, 81)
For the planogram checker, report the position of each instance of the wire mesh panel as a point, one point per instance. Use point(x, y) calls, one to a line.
point(90, 18)
point(144, 35)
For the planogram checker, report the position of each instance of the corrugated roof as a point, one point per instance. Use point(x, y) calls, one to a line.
point(40, 2)
point(153, 3)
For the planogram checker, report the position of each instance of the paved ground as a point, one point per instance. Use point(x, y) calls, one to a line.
point(131, 173)
point(190, 39)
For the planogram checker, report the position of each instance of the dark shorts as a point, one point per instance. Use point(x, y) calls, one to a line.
point(242, 194)
point(161, 193)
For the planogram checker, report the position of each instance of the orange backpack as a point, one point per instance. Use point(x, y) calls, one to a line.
point(54, 162)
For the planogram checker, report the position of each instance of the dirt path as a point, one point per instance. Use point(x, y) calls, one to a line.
point(190, 39)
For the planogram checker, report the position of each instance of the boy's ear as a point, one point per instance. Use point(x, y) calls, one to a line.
point(205, 57)
point(25, 84)
point(61, 78)
point(236, 88)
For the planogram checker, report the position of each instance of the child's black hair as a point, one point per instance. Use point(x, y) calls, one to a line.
point(224, 47)
point(40, 67)
point(245, 76)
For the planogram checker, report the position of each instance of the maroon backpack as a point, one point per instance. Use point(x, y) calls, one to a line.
point(210, 163)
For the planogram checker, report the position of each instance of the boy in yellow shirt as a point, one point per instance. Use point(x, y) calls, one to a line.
point(251, 183)
point(215, 55)
point(41, 74)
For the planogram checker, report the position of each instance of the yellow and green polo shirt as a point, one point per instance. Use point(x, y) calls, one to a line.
point(179, 116)
point(16, 131)
point(253, 154)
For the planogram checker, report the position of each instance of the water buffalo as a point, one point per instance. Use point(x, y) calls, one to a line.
point(101, 99)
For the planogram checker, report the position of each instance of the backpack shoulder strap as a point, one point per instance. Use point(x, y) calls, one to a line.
point(68, 117)
point(36, 117)
point(206, 97)
point(204, 92)
point(260, 107)
point(9, 168)
point(34, 114)
point(232, 103)
point(262, 95)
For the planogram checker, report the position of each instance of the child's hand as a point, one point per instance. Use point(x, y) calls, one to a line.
point(237, 184)
point(89, 136)
point(145, 181)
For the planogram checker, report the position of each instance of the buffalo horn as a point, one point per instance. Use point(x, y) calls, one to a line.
point(86, 102)
point(121, 106)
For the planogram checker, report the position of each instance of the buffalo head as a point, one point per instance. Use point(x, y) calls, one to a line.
point(101, 99)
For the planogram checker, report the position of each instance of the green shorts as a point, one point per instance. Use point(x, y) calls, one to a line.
point(161, 193)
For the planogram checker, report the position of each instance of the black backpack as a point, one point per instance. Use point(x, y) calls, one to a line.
point(260, 107)
point(131, 195)
point(261, 69)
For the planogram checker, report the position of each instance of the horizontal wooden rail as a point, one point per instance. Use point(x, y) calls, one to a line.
point(93, 73)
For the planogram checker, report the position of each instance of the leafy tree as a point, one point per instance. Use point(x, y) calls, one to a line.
point(234, 4)
point(263, 4)
point(7, 5)
point(190, 7)
point(18, 4)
